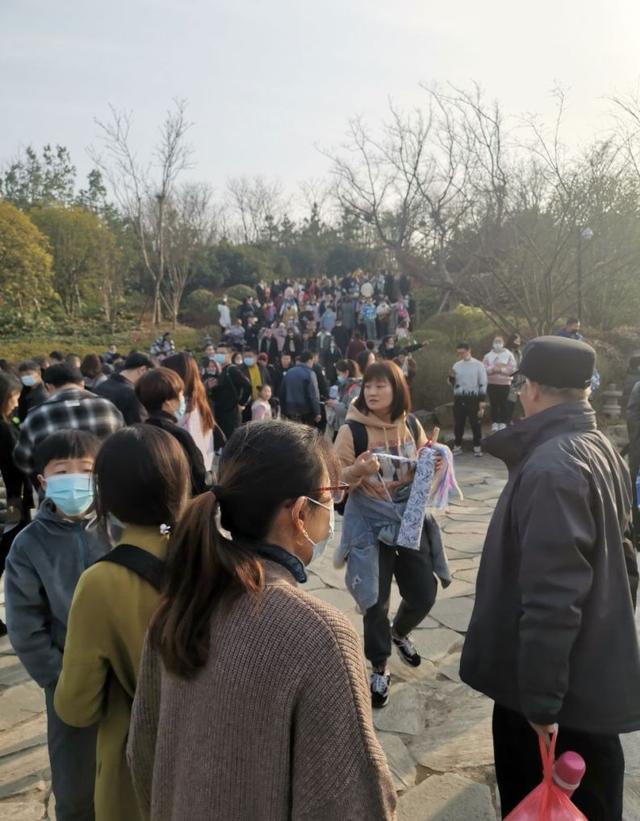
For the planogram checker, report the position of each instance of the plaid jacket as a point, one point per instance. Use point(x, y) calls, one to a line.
point(70, 408)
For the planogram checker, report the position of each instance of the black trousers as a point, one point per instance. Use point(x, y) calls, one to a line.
point(499, 400)
point(413, 572)
point(466, 407)
point(519, 769)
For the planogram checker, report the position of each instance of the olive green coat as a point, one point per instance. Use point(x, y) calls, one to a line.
point(109, 617)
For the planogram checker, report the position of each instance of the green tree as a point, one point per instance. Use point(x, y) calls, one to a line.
point(32, 180)
point(25, 268)
point(84, 254)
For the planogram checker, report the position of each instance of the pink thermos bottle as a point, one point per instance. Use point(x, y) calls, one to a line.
point(568, 772)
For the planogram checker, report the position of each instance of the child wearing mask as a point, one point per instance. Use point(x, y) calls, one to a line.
point(44, 565)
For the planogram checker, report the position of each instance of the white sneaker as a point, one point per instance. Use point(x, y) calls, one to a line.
point(502, 426)
point(495, 427)
point(457, 450)
point(379, 682)
point(478, 452)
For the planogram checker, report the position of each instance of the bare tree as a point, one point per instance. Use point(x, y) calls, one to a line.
point(376, 182)
point(256, 203)
point(190, 229)
point(142, 192)
point(317, 194)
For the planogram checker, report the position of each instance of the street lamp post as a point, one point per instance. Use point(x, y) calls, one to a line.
point(585, 234)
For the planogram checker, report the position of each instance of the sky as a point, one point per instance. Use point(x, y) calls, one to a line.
point(269, 84)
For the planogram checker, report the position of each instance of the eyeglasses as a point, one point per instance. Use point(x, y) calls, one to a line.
point(338, 492)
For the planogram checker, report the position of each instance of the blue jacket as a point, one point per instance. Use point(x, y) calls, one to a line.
point(43, 567)
point(299, 393)
point(368, 521)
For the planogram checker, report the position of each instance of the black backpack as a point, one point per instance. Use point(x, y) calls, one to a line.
point(361, 440)
point(139, 561)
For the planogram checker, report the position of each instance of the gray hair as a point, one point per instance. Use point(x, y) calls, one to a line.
point(565, 394)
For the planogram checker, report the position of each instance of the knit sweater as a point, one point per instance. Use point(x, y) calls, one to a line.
point(276, 726)
point(469, 378)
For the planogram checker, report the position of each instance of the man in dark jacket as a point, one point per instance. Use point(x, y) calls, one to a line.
point(299, 393)
point(228, 390)
point(552, 639)
point(33, 391)
point(280, 370)
point(119, 388)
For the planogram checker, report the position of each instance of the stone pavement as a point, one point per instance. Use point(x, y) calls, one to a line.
point(436, 732)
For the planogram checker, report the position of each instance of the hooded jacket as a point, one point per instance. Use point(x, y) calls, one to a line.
point(43, 567)
point(552, 634)
point(382, 437)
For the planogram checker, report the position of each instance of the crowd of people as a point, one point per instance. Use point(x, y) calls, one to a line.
point(146, 518)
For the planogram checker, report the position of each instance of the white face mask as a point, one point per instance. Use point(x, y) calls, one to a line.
point(321, 546)
point(498, 347)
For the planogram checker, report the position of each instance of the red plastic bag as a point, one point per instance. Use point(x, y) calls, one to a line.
point(547, 802)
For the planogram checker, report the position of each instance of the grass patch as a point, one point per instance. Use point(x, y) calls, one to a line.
point(87, 340)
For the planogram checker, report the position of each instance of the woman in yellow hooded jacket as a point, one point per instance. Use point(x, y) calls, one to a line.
point(377, 447)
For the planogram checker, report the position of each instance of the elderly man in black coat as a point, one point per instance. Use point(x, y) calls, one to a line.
point(552, 638)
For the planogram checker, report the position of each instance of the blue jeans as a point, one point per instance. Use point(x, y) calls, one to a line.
point(72, 754)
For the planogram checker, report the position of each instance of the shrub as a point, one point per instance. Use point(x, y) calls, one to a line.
point(465, 324)
point(240, 292)
point(430, 387)
point(200, 308)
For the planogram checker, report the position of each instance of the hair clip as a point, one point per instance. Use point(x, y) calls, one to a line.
point(165, 530)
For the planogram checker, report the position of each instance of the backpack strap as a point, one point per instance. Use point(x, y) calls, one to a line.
point(360, 437)
point(139, 561)
point(414, 430)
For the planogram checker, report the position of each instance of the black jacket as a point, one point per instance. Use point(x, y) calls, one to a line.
point(31, 397)
point(122, 393)
point(269, 345)
point(227, 389)
point(277, 377)
point(16, 483)
point(196, 463)
point(552, 634)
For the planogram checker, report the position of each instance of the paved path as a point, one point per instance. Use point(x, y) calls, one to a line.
point(435, 731)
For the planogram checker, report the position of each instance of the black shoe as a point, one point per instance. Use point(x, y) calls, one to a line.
point(380, 681)
point(3, 629)
point(406, 650)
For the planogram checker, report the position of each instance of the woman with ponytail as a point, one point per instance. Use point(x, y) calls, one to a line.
point(252, 700)
point(142, 483)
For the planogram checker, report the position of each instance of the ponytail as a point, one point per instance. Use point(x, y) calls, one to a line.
point(204, 568)
point(264, 465)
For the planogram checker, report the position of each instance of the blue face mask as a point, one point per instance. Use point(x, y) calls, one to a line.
point(71, 493)
point(182, 408)
point(341, 379)
point(220, 358)
point(249, 361)
point(28, 381)
point(321, 546)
